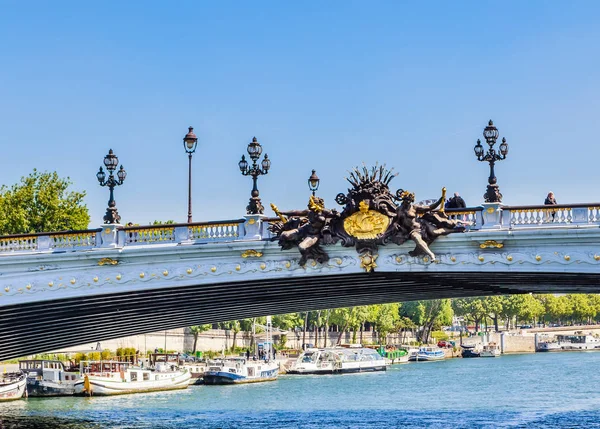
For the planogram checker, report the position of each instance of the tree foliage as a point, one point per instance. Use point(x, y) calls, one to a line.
point(41, 202)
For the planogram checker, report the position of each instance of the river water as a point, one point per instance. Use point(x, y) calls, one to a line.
point(540, 390)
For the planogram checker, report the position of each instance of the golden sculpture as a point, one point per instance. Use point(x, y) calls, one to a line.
point(251, 253)
point(367, 261)
point(490, 244)
point(366, 224)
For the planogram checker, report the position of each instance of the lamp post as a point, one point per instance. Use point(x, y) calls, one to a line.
point(313, 182)
point(110, 162)
point(490, 133)
point(189, 144)
point(254, 170)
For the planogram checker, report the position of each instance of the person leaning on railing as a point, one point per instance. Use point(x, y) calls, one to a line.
point(550, 200)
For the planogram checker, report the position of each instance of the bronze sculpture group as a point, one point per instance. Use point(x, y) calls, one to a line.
point(372, 216)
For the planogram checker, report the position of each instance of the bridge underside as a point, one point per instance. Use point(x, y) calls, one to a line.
point(50, 325)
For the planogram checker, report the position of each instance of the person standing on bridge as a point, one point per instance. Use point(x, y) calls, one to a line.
point(456, 202)
point(550, 200)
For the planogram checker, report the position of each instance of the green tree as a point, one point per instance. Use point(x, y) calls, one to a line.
point(387, 319)
point(195, 331)
point(472, 309)
point(582, 310)
point(428, 315)
point(41, 202)
point(494, 307)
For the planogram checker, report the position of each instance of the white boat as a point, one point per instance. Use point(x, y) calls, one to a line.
point(117, 378)
point(490, 350)
point(196, 369)
point(48, 378)
point(13, 385)
point(338, 360)
point(563, 343)
point(430, 354)
point(412, 354)
point(239, 370)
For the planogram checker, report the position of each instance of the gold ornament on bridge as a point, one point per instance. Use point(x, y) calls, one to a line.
point(251, 253)
point(366, 224)
point(107, 261)
point(597, 257)
point(538, 258)
point(509, 258)
point(491, 243)
point(567, 258)
point(367, 261)
point(118, 277)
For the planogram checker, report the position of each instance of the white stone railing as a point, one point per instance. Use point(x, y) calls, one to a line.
point(472, 215)
point(71, 240)
point(54, 241)
point(550, 215)
point(195, 232)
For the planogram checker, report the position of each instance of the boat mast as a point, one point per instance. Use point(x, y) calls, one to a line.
point(270, 337)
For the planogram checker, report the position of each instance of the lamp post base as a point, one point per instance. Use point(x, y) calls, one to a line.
point(493, 195)
point(255, 206)
point(112, 215)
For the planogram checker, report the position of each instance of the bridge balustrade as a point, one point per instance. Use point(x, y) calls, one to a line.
point(473, 215)
point(489, 216)
point(54, 241)
point(548, 216)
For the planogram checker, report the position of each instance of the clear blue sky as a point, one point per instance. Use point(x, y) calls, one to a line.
point(323, 85)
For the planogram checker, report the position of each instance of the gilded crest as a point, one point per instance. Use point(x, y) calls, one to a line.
point(366, 224)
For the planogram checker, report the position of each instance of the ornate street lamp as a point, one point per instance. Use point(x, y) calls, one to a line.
point(189, 144)
point(313, 182)
point(254, 170)
point(490, 133)
point(110, 162)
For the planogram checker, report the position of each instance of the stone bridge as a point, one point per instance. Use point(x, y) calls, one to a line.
point(66, 288)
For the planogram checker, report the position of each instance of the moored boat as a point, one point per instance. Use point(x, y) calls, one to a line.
point(48, 377)
point(116, 378)
point(566, 343)
point(13, 385)
point(430, 354)
point(470, 351)
point(490, 350)
point(195, 368)
point(239, 370)
point(338, 360)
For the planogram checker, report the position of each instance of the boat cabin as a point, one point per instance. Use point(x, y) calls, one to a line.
point(50, 370)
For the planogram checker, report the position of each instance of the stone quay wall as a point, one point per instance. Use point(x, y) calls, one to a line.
point(182, 340)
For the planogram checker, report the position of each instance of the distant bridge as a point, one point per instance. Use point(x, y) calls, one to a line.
point(66, 288)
